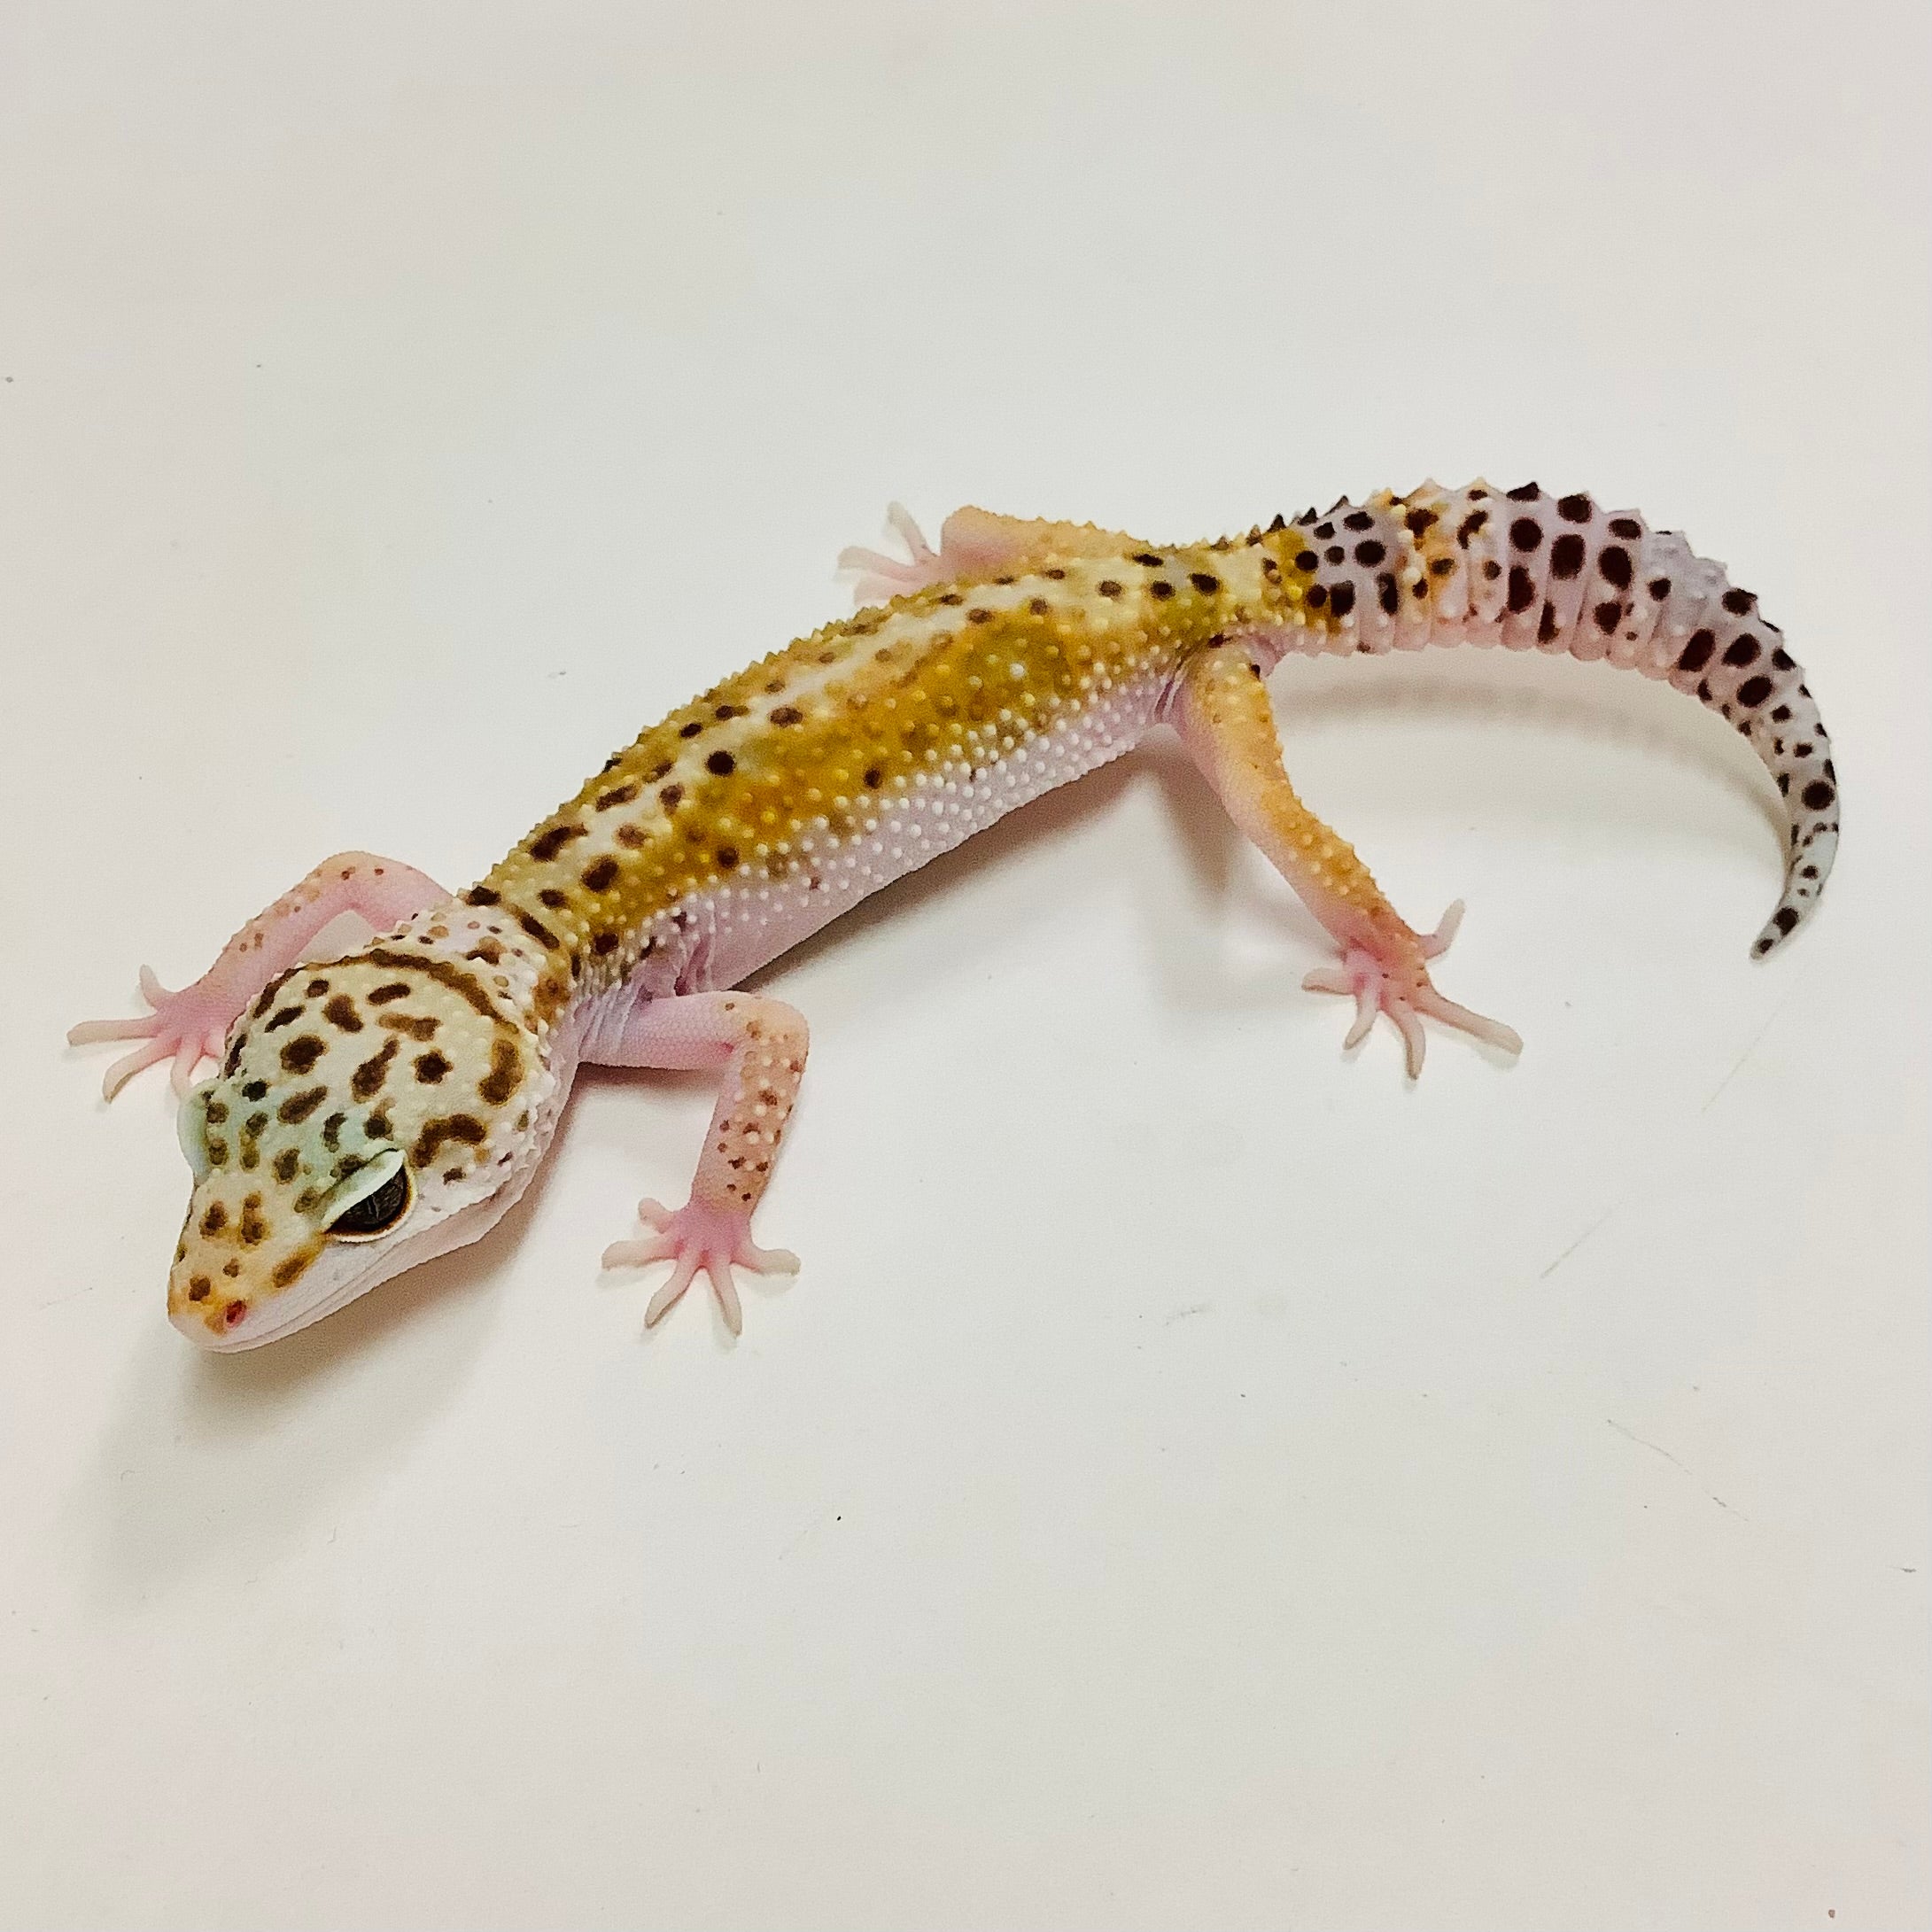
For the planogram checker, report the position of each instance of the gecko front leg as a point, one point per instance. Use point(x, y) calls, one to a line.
point(1220, 707)
point(761, 1044)
point(191, 1025)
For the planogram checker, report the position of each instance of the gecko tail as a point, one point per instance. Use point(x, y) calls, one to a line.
point(1529, 571)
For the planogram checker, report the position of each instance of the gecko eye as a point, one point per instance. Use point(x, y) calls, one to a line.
point(383, 1198)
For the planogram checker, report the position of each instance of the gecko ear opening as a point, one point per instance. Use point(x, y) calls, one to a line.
point(191, 1125)
point(372, 1200)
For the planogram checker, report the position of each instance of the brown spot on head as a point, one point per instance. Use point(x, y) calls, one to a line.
point(482, 895)
point(506, 1072)
point(299, 1107)
point(383, 994)
point(199, 1288)
point(465, 1127)
point(601, 874)
point(431, 1068)
point(214, 1220)
point(367, 1080)
point(411, 1026)
point(720, 765)
point(255, 1229)
point(340, 1014)
point(301, 1053)
point(557, 901)
point(446, 973)
point(289, 1269)
point(285, 1164)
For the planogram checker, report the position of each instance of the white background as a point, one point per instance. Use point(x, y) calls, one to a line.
point(1196, 1479)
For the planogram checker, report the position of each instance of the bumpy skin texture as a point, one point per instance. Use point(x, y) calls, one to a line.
point(375, 1111)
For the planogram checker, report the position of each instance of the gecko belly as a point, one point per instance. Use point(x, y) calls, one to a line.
point(747, 923)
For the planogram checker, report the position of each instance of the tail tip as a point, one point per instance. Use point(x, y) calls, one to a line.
point(1778, 928)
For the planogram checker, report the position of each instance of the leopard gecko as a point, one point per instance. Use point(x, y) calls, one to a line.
point(373, 1111)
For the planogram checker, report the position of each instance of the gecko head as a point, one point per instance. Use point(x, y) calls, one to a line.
point(371, 1114)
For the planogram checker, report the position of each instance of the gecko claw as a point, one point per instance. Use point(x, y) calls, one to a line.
point(698, 1239)
point(1403, 993)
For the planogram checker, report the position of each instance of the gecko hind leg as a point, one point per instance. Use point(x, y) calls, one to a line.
point(973, 543)
point(1221, 709)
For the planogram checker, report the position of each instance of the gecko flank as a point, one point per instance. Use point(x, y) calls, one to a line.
point(374, 1111)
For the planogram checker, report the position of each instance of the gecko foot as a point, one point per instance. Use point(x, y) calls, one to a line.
point(879, 578)
point(1383, 981)
point(184, 1027)
point(697, 1235)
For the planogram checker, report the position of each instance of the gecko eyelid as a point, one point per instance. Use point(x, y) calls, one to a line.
point(378, 1211)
